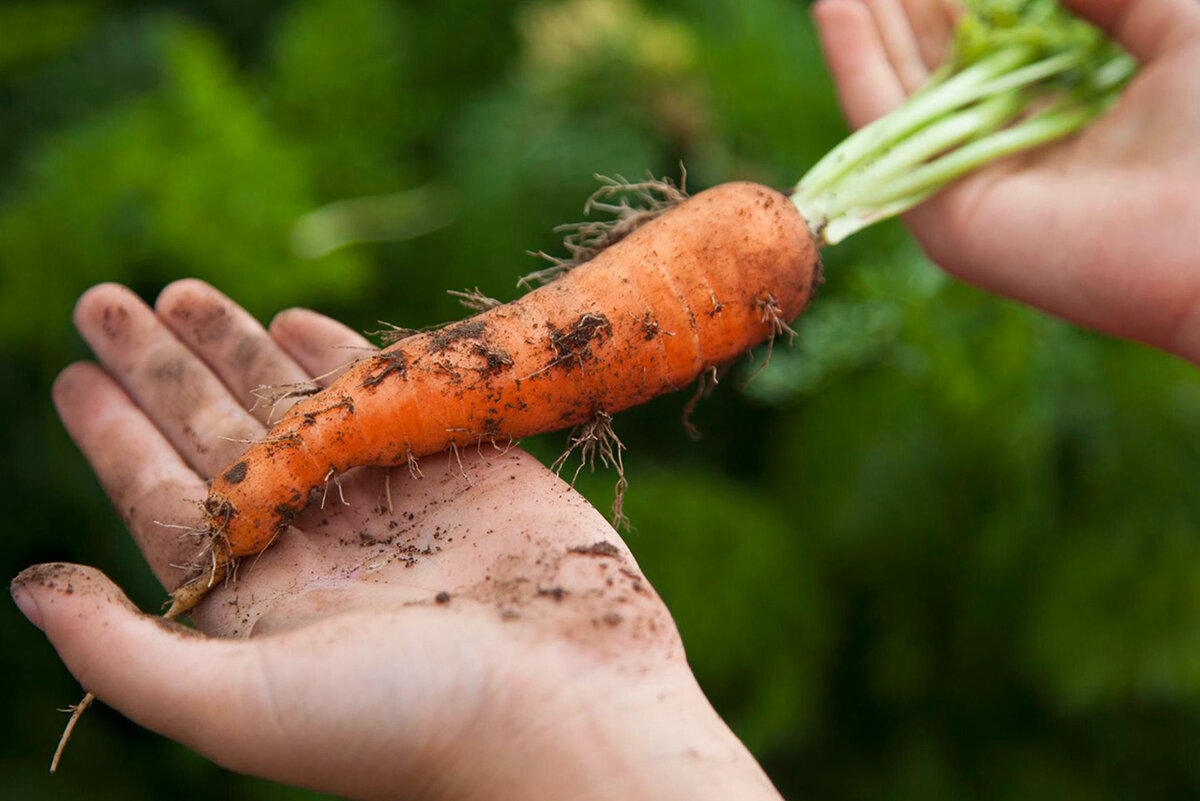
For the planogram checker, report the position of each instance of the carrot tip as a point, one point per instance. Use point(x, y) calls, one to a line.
point(185, 598)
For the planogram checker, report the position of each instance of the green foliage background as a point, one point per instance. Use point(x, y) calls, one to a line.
point(944, 547)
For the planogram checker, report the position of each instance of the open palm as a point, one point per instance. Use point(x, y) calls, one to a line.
point(478, 631)
point(1101, 229)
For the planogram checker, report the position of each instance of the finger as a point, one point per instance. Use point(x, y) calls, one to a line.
point(867, 85)
point(321, 345)
point(229, 340)
point(953, 12)
point(1146, 28)
point(899, 42)
point(931, 26)
point(166, 677)
point(156, 495)
point(172, 386)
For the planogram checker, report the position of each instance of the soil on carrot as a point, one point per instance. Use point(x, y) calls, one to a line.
point(573, 344)
point(237, 473)
point(443, 339)
point(650, 326)
point(495, 359)
point(390, 362)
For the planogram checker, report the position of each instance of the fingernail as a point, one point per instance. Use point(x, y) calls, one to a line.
point(23, 598)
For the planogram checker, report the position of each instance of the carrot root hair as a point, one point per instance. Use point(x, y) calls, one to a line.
point(596, 439)
point(705, 385)
point(76, 711)
point(630, 204)
point(770, 314)
point(474, 300)
point(471, 299)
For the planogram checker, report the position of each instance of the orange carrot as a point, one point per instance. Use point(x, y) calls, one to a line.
point(687, 291)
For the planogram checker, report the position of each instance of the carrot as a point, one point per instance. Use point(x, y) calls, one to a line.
point(689, 290)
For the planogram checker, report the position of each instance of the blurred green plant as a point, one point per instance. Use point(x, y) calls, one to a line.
point(47, 29)
point(143, 189)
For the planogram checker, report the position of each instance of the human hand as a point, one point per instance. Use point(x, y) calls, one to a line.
point(1102, 229)
point(478, 632)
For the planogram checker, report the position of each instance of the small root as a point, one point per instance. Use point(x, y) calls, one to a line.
point(585, 240)
point(619, 520)
point(474, 300)
point(387, 490)
point(771, 314)
point(185, 532)
point(391, 334)
point(462, 471)
point(275, 394)
point(507, 447)
point(76, 711)
point(650, 326)
point(282, 438)
point(332, 477)
point(705, 384)
point(596, 438)
point(266, 395)
point(414, 469)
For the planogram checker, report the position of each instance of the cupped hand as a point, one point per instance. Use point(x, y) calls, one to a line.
point(1102, 229)
point(476, 631)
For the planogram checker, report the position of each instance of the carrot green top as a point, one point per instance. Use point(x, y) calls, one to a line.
point(1010, 56)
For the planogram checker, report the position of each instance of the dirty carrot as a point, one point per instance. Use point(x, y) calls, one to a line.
point(683, 290)
point(689, 290)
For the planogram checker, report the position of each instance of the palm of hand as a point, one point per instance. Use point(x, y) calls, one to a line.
point(480, 603)
point(1099, 229)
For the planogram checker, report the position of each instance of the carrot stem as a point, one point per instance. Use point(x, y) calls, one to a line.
point(972, 111)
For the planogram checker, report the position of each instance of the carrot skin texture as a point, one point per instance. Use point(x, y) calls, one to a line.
point(688, 291)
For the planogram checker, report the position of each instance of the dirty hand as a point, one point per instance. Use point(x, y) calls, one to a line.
point(1102, 229)
point(480, 631)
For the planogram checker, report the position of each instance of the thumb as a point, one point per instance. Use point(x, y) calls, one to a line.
point(162, 675)
point(1146, 28)
point(867, 84)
